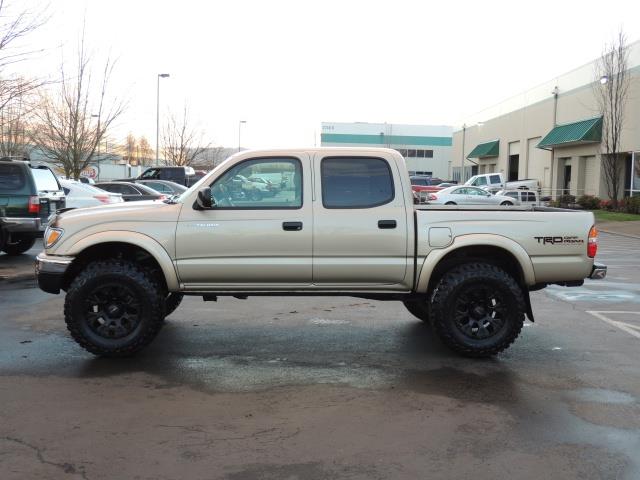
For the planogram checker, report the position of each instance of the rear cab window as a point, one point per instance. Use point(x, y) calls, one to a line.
point(356, 182)
point(494, 179)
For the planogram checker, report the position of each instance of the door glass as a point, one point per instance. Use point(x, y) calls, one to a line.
point(281, 188)
point(356, 182)
point(45, 180)
point(11, 177)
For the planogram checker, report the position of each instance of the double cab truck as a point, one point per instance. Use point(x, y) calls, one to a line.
point(344, 224)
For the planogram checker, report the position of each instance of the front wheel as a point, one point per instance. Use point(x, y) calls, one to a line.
point(114, 308)
point(18, 245)
point(477, 309)
point(507, 204)
point(450, 203)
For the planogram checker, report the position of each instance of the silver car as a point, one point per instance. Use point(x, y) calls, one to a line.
point(464, 195)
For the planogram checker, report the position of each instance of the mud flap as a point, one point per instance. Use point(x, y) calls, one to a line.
point(528, 301)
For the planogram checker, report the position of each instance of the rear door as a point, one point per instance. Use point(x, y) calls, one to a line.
point(360, 228)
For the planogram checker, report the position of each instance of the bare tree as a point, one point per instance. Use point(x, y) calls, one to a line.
point(146, 152)
point(72, 121)
point(15, 24)
point(130, 148)
point(611, 91)
point(182, 143)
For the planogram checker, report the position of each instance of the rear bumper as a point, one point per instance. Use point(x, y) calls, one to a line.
point(598, 271)
point(50, 270)
point(22, 225)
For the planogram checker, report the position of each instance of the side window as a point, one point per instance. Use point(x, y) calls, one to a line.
point(460, 191)
point(475, 191)
point(355, 182)
point(234, 189)
point(151, 173)
point(159, 187)
point(12, 177)
point(531, 197)
point(512, 195)
point(110, 187)
point(495, 178)
point(129, 190)
point(480, 181)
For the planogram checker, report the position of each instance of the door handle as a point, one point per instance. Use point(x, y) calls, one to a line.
point(387, 224)
point(292, 226)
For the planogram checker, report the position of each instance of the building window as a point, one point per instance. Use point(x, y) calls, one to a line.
point(428, 154)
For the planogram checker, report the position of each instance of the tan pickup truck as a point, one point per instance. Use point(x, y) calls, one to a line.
point(335, 221)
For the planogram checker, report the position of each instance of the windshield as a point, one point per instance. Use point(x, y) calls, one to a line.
point(45, 180)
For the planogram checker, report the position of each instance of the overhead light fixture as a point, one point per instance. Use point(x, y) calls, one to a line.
point(604, 79)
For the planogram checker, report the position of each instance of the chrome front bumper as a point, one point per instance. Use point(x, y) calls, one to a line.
point(598, 271)
point(50, 270)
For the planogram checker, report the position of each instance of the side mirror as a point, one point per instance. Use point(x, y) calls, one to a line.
point(203, 200)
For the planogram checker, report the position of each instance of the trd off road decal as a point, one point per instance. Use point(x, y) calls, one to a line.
point(559, 240)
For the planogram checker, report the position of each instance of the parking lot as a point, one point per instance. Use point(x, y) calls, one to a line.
point(314, 388)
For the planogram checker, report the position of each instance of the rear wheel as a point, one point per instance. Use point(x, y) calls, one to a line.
point(450, 203)
point(418, 308)
point(507, 204)
point(18, 245)
point(477, 309)
point(114, 308)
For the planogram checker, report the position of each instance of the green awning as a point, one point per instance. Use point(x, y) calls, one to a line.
point(584, 131)
point(485, 150)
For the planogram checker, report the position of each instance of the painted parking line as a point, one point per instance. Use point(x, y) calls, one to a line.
point(631, 329)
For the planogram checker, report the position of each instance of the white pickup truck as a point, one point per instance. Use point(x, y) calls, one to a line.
point(495, 181)
point(345, 224)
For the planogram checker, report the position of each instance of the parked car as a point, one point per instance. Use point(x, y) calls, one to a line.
point(425, 184)
point(523, 197)
point(131, 191)
point(265, 185)
point(461, 195)
point(29, 194)
point(80, 195)
point(494, 182)
point(166, 187)
point(183, 175)
point(350, 229)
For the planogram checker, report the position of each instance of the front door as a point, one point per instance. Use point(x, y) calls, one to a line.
point(567, 180)
point(360, 223)
point(259, 234)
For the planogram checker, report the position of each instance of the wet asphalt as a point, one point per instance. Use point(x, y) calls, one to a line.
point(315, 388)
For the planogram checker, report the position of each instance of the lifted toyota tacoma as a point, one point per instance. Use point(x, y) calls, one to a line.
point(343, 223)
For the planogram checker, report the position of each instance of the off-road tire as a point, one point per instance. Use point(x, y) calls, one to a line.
point(141, 283)
point(462, 280)
point(18, 247)
point(418, 308)
point(172, 302)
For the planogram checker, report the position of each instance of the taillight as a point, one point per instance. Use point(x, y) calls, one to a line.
point(432, 196)
point(34, 204)
point(592, 242)
point(102, 198)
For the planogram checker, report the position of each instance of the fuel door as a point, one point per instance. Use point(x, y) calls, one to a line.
point(440, 237)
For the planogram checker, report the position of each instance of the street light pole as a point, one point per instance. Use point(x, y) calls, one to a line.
point(160, 75)
point(239, 127)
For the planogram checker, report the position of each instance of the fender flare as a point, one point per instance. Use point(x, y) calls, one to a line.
point(477, 240)
point(155, 249)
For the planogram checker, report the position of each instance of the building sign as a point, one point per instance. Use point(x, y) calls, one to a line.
point(90, 172)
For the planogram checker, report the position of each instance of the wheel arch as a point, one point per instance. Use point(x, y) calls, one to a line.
point(130, 245)
point(494, 249)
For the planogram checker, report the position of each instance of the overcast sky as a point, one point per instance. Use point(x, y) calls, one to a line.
point(286, 66)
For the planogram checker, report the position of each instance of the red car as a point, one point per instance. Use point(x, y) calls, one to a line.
point(425, 184)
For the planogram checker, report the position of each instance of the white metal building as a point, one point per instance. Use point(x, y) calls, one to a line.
point(426, 148)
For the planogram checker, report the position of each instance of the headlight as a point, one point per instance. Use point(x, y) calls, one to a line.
point(51, 236)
